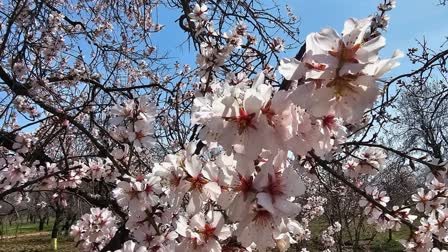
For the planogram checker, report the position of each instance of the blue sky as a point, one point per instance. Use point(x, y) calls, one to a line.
point(411, 20)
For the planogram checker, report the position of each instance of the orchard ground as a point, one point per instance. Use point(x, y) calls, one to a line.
point(35, 242)
point(25, 237)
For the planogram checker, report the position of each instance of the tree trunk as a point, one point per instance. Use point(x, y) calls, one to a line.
point(41, 223)
point(57, 222)
point(71, 219)
point(54, 232)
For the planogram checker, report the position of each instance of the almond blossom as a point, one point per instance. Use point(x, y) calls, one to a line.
point(202, 187)
point(131, 246)
point(423, 199)
point(199, 13)
point(94, 230)
point(342, 71)
point(248, 152)
point(203, 232)
point(276, 184)
point(138, 193)
point(234, 120)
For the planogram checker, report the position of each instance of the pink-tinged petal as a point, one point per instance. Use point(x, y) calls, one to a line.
point(291, 69)
point(211, 172)
point(142, 249)
point(294, 185)
point(129, 246)
point(264, 92)
point(202, 110)
point(195, 203)
point(193, 165)
point(197, 221)
point(212, 245)
point(322, 42)
point(182, 226)
point(215, 219)
point(259, 80)
point(368, 52)
point(381, 67)
point(321, 102)
point(252, 103)
point(258, 233)
point(238, 209)
point(225, 199)
point(287, 207)
point(420, 207)
point(351, 69)
point(224, 233)
point(355, 30)
point(171, 235)
point(261, 180)
point(301, 96)
point(265, 200)
point(212, 190)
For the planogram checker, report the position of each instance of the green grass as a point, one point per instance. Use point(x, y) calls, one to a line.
point(380, 242)
point(29, 242)
point(26, 237)
point(24, 228)
point(36, 243)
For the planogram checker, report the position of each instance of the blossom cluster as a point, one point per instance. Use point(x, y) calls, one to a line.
point(327, 235)
point(234, 186)
point(94, 229)
point(368, 162)
point(15, 173)
point(133, 121)
point(431, 204)
point(241, 186)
